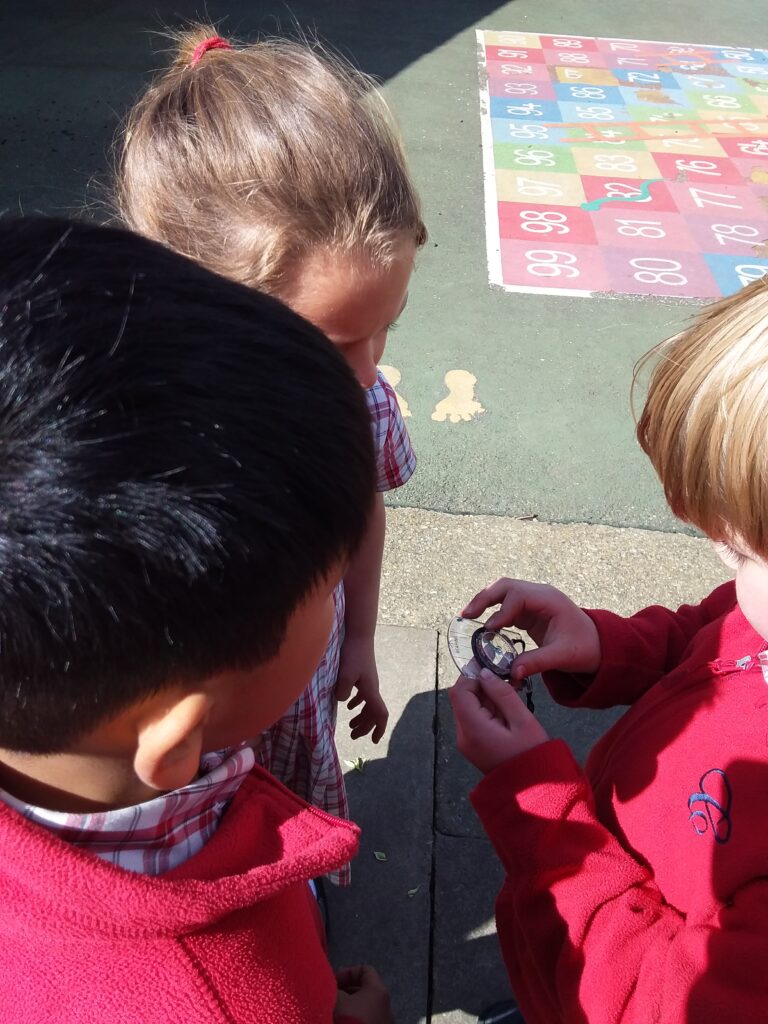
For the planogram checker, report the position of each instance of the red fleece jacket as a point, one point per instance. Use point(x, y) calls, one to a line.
point(229, 937)
point(637, 890)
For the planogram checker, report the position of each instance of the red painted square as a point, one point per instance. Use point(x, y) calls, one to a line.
point(547, 225)
point(638, 272)
point(518, 54)
point(551, 265)
point(716, 170)
point(645, 231)
point(745, 148)
point(660, 200)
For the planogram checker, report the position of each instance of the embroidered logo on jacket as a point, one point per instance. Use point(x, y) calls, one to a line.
point(711, 807)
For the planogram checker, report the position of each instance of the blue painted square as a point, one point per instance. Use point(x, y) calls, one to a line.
point(731, 55)
point(645, 79)
point(754, 72)
point(675, 99)
point(588, 93)
point(591, 113)
point(733, 272)
point(522, 109)
point(693, 84)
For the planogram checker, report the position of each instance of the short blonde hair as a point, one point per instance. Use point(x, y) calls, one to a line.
point(248, 158)
point(705, 421)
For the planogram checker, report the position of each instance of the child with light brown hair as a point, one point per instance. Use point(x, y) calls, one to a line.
point(280, 167)
point(636, 887)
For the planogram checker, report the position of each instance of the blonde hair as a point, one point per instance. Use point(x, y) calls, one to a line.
point(246, 159)
point(705, 421)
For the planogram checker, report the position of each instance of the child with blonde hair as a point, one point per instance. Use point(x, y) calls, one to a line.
point(280, 167)
point(636, 888)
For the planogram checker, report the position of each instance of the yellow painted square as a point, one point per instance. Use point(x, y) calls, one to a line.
point(539, 188)
point(672, 129)
point(608, 163)
point(524, 40)
point(585, 76)
point(700, 145)
point(719, 123)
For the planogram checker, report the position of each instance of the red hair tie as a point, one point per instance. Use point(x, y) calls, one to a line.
point(214, 43)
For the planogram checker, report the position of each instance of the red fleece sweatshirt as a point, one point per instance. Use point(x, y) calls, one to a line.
point(229, 937)
point(637, 890)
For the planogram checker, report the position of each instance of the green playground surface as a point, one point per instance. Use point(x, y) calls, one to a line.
point(551, 374)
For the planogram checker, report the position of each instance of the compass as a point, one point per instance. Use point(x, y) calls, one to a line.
point(474, 647)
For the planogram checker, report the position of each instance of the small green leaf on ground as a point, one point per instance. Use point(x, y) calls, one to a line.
point(357, 765)
point(379, 855)
point(412, 892)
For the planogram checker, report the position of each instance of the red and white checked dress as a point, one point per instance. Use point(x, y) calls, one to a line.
point(300, 749)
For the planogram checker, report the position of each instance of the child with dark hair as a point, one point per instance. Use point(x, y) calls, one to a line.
point(187, 469)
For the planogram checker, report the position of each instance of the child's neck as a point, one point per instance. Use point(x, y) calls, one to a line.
point(73, 783)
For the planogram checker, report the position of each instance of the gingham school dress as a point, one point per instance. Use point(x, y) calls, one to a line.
point(300, 749)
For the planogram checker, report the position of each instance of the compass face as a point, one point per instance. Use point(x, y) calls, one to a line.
point(473, 647)
point(494, 651)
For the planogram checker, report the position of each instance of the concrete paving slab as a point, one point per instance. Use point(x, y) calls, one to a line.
point(468, 973)
point(434, 563)
point(384, 918)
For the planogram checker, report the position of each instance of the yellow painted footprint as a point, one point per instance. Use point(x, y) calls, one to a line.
point(460, 403)
point(394, 377)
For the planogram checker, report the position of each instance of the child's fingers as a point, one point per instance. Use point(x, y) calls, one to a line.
point(492, 594)
point(464, 700)
point(356, 700)
point(540, 659)
point(502, 698)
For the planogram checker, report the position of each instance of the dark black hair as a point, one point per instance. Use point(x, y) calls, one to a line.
point(181, 460)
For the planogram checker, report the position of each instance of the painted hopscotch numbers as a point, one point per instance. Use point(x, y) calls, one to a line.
point(624, 166)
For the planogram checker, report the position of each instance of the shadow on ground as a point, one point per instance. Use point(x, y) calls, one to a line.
point(68, 72)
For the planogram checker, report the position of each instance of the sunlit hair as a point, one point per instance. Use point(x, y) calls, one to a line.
point(705, 421)
point(250, 157)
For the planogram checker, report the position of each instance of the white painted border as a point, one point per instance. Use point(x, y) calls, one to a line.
point(492, 236)
point(526, 290)
point(616, 39)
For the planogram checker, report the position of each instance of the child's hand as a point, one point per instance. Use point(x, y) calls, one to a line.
point(492, 723)
point(363, 995)
point(566, 636)
point(357, 671)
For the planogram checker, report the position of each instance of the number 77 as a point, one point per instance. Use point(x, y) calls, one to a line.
point(697, 195)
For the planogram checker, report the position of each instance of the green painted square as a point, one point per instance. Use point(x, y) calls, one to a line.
point(745, 105)
point(645, 112)
point(533, 156)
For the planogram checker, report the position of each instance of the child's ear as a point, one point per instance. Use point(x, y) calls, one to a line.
point(169, 745)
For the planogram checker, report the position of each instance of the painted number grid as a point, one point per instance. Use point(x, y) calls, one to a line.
point(623, 165)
